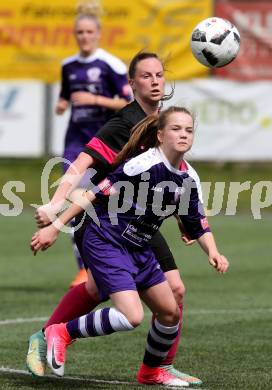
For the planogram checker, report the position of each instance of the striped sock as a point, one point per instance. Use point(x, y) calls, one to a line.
point(98, 323)
point(159, 340)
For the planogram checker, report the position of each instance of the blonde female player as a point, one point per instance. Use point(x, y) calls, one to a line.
point(95, 84)
point(131, 268)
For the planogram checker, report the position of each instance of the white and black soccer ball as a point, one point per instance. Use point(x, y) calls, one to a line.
point(215, 42)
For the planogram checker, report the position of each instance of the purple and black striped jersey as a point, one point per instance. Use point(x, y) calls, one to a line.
point(151, 190)
point(101, 74)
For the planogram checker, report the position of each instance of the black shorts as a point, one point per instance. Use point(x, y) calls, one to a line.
point(158, 245)
point(162, 252)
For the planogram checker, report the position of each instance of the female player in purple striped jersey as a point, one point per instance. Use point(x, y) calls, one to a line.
point(95, 83)
point(146, 73)
point(131, 269)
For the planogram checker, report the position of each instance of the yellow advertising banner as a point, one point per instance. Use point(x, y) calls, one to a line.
point(36, 35)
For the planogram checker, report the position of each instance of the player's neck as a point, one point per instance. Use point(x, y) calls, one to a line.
point(149, 107)
point(174, 158)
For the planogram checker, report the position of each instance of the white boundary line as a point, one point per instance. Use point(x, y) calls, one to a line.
point(71, 378)
point(23, 320)
point(189, 313)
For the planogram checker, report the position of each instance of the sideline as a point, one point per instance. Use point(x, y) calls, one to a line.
point(89, 380)
point(188, 313)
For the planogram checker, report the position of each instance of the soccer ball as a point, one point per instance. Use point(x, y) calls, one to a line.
point(215, 42)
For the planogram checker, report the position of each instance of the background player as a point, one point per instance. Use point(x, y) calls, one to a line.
point(95, 83)
point(130, 262)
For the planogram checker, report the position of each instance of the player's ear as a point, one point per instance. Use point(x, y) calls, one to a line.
point(160, 136)
point(131, 83)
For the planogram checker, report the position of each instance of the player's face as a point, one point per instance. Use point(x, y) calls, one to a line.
point(148, 82)
point(87, 36)
point(178, 134)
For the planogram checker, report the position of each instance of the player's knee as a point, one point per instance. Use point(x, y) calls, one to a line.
point(170, 316)
point(178, 290)
point(93, 292)
point(135, 318)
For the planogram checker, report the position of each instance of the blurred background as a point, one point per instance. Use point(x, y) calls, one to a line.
point(229, 319)
point(233, 104)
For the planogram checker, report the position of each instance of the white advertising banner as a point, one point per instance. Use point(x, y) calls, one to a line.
point(59, 124)
point(22, 107)
point(234, 119)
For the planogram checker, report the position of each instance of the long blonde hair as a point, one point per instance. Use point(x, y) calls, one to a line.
point(144, 134)
point(89, 9)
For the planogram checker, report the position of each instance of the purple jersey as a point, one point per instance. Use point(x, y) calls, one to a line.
point(102, 74)
point(155, 190)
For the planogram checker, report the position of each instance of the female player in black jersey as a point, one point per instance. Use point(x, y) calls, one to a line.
point(146, 74)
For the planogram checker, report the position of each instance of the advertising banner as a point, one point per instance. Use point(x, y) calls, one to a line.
point(35, 36)
point(21, 119)
point(233, 119)
point(59, 124)
point(254, 22)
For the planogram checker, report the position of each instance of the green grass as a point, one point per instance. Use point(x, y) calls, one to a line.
point(227, 333)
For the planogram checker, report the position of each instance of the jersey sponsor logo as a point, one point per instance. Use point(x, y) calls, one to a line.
point(204, 223)
point(178, 192)
point(72, 76)
point(105, 186)
point(94, 74)
point(156, 189)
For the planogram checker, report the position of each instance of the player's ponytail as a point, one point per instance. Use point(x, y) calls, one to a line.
point(90, 9)
point(144, 134)
point(143, 137)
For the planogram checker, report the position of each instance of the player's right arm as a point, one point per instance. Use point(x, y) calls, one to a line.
point(102, 149)
point(61, 106)
point(44, 238)
point(64, 96)
point(46, 213)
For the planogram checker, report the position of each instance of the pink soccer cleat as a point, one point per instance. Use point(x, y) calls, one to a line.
point(157, 376)
point(57, 339)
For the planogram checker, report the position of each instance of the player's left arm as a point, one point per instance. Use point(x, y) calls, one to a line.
point(218, 261)
point(196, 223)
point(184, 234)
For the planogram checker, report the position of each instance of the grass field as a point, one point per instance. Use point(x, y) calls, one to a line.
point(227, 330)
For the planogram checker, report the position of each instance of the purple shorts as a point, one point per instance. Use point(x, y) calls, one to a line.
point(116, 267)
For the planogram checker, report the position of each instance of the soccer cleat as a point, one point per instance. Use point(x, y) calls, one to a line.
point(57, 339)
point(157, 376)
point(186, 377)
point(81, 277)
point(36, 355)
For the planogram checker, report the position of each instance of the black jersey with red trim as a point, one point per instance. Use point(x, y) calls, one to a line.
point(112, 137)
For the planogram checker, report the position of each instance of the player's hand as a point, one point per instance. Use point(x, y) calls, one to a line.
point(45, 215)
point(81, 98)
point(219, 262)
point(43, 239)
point(61, 106)
point(187, 240)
